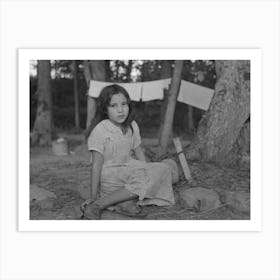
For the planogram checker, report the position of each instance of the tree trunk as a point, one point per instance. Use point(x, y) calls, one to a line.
point(170, 109)
point(221, 125)
point(87, 72)
point(96, 69)
point(76, 94)
point(190, 119)
point(166, 73)
point(42, 129)
point(240, 153)
point(129, 69)
point(117, 70)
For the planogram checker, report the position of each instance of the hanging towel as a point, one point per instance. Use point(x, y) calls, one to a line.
point(195, 95)
point(133, 89)
point(154, 90)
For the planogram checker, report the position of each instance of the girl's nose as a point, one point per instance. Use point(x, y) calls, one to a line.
point(120, 109)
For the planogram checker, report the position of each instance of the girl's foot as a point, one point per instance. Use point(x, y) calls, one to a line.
point(129, 208)
point(92, 212)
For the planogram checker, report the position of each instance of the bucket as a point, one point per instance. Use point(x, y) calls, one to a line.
point(60, 147)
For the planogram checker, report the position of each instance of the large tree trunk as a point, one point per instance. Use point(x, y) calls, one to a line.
point(220, 127)
point(170, 109)
point(42, 129)
point(94, 70)
point(76, 94)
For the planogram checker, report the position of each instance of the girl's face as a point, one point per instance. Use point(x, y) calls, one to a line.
point(118, 109)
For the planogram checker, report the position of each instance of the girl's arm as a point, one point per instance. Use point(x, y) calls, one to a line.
point(139, 153)
point(96, 167)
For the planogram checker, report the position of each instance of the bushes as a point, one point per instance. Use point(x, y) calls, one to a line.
point(64, 118)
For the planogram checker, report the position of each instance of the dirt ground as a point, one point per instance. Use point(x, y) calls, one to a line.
point(68, 178)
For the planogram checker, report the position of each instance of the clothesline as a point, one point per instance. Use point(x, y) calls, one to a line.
point(189, 93)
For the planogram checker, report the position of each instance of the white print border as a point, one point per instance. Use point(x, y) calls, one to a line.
point(255, 222)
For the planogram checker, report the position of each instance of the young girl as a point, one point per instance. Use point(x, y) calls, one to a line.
point(115, 175)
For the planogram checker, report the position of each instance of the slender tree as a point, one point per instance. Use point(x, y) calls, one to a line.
point(42, 130)
point(170, 109)
point(128, 70)
point(76, 93)
point(190, 118)
point(166, 72)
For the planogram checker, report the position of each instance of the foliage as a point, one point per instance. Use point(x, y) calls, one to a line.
point(197, 71)
point(201, 72)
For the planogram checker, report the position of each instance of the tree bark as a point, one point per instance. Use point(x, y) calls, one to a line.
point(76, 94)
point(190, 119)
point(240, 154)
point(221, 125)
point(87, 72)
point(42, 129)
point(129, 69)
point(166, 73)
point(170, 109)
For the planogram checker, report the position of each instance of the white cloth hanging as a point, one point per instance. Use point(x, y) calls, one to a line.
point(195, 95)
point(133, 89)
point(154, 90)
point(189, 93)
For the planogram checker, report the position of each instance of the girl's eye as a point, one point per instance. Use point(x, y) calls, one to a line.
point(125, 103)
point(113, 105)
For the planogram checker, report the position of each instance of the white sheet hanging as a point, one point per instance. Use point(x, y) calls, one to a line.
point(154, 90)
point(195, 95)
point(189, 93)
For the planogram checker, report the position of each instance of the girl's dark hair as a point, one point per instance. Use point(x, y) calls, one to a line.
point(103, 103)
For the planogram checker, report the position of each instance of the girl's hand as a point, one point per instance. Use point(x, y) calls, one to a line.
point(85, 204)
point(139, 153)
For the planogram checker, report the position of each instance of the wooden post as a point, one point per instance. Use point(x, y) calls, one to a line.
point(182, 158)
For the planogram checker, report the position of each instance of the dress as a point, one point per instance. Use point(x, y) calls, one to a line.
point(152, 182)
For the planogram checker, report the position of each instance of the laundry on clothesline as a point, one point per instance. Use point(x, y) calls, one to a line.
point(154, 90)
point(134, 89)
point(144, 91)
point(195, 95)
point(189, 93)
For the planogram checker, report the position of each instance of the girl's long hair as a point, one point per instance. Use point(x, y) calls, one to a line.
point(103, 103)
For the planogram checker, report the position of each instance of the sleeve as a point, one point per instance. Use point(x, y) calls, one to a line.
point(96, 140)
point(136, 138)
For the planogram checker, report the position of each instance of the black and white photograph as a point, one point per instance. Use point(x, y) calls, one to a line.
point(140, 139)
point(163, 137)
